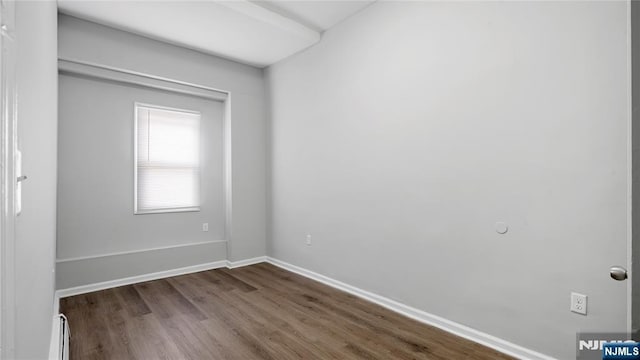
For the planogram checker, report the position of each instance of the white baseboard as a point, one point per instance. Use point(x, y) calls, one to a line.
point(80, 271)
point(83, 289)
point(419, 315)
point(246, 262)
point(137, 279)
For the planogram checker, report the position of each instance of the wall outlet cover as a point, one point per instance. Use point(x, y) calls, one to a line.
point(579, 303)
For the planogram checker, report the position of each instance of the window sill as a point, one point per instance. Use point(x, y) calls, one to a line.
point(164, 211)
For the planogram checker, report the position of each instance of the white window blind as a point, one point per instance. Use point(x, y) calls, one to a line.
point(167, 160)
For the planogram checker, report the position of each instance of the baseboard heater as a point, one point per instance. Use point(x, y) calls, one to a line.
point(60, 338)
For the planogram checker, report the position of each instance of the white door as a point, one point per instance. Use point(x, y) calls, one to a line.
point(7, 177)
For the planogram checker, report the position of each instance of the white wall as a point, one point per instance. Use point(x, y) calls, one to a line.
point(37, 76)
point(635, 46)
point(89, 42)
point(96, 186)
point(412, 128)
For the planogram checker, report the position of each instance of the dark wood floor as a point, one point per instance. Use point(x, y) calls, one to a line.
point(253, 312)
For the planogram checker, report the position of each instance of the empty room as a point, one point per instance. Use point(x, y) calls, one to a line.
point(318, 179)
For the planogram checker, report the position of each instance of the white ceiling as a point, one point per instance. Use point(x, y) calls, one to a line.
point(258, 33)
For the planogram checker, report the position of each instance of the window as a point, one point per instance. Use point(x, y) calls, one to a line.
point(167, 160)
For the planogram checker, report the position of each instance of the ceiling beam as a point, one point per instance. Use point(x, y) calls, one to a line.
point(257, 12)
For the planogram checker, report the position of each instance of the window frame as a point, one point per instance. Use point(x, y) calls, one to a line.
point(137, 211)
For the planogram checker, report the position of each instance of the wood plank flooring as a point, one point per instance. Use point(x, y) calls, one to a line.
point(253, 312)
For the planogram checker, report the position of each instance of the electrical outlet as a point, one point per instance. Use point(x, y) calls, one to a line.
point(308, 239)
point(205, 226)
point(579, 303)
